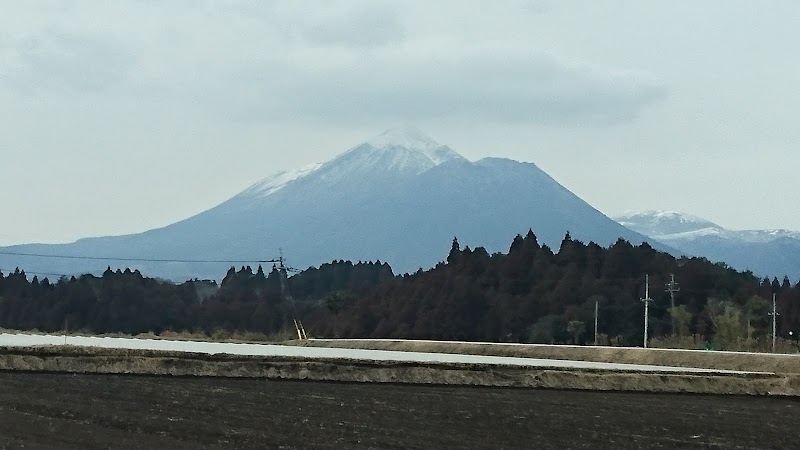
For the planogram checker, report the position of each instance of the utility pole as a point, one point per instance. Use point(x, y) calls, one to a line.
point(646, 300)
point(774, 315)
point(673, 288)
point(596, 307)
point(283, 278)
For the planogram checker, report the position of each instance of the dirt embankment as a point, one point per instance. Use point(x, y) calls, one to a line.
point(752, 362)
point(145, 362)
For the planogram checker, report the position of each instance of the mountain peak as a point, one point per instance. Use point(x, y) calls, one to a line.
point(671, 227)
point(405, 136)
point(402, 150)
point(665, 215)
point(660, 223)
point(404, 146)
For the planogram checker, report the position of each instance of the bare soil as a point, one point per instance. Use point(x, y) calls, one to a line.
point(64, 411)
point(84, 360)
point(756, 362)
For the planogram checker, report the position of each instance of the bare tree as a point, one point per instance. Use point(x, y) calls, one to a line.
point(681, 318)
point(576, 328)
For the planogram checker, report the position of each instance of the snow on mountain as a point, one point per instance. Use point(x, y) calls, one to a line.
point(409, 137)
point(396, 159)
point(367, 170)
point(766, 235)
point(279, 180)
point(374, 164)
point(404, 150)
point(404, 136)
point(399, 197)
point(665, 223)
point(765, 252)
point(675, 226)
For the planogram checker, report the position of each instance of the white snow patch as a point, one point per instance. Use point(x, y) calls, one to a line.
point(690, 235)
point(662, 215)
point(766, 235)
point(675, 226)
point(665, 224)
point(405, 136)
point(277, 181)
point(411, 138)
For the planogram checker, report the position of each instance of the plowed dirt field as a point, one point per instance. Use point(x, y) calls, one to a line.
point(41, 410)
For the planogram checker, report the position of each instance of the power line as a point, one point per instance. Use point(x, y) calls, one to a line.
point(165, 260)
point(11, 272)
point(280, 260)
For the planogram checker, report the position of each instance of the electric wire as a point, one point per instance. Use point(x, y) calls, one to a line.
point(7, 272)
point(130, 259)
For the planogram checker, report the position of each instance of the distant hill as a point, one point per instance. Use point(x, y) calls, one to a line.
point(396, 198)
point(772, 253)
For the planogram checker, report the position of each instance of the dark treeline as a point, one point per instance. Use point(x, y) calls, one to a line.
point(127, 302)
point(529, 294)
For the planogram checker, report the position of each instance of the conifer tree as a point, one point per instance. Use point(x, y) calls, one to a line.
point(455, 252)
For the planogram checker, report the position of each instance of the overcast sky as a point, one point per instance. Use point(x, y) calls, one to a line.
point(118, 117)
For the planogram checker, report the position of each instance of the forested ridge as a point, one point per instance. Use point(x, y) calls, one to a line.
point(529, 294)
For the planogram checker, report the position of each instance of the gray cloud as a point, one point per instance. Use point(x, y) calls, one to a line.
point(535, 90)
point(537, 6)
point(370, 27)
point(352, 64)
point(58, 59)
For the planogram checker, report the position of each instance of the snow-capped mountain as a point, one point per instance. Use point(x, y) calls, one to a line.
point(409, 137)
point(773, 253)
point(399, 197)
point(665, 223)
point(279, 180)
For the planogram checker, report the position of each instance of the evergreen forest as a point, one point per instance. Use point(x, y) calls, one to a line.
point(529, 294)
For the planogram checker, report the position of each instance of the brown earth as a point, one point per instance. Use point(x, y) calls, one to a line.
point(64, 411)
point(756, 362)
point(67, 359)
